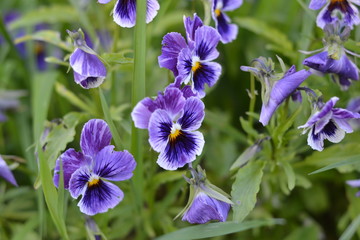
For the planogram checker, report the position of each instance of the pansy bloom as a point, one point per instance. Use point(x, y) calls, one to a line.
point(274, 90)
point(89, 71)
point(88, 172)
point(176, 139)
point(328, 14)
point(228, 32)
point(6, 173)
point(195, 62)
point(328, 123)
point(174, 42)
point(207, 202)
point(125, 11)
point(343, 70)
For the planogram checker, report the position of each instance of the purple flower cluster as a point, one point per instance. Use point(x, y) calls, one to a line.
point(87, 172)
point(175, 115)
point(191, 61)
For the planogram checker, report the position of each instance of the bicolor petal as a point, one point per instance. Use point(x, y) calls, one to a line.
point(70, 162)
point(125, 12)
point(194, 112)
point(100, 198)
point(206, 40)
point(114, 165)
point(172, 44)
point(191, 25)
point(89, 71)
point(95, 136)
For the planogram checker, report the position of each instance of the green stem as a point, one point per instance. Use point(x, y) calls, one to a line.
point(138, 93)
point(252, 97)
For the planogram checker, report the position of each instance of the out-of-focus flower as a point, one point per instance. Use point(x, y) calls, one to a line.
point(354, 183)
point(89, 71)
point(9, 100)
point(206, 202)
point(6, 173)
point(328, 123)
point(87, 173)
point(177, 140)
point(328, 15)
point(228, 32)
point(354, 106)
point(274, 90)
point(125, 11)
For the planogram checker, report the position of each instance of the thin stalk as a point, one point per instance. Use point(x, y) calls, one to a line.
point(252, 97)
point(138, 93)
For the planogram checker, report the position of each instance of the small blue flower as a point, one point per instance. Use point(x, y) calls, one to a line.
point(6, 173)
point(228, 32)
point(328, 123)
point(328, 14)
point(125, 11)
point(87, 173)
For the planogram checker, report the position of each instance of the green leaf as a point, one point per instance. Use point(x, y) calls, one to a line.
point(338, 163)
point(216, 229)
point(289, 172)
point(245, 189)
point(74, 99)
point(48, 36)
point(248, 128)
point(60, 135)
point(51, 14)
point(164, 177)
point(280, 40)
point(350, 231)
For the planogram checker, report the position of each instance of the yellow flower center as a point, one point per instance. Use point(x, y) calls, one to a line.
point(217, 12)
point(93, 181)
point(196, 66)
point(175, 132)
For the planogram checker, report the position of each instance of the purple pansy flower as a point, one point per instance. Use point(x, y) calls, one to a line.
point(176, 139)
point(228, 32)
point(344, 69)
point(6, 173)
point(205, 208)
point(195, 61)
point(328, 123)
point(89, 71)
point(281, 90)
point(174, 42)
point(125, 11)
point(87, 173)
point(354, 183)
point(327, 14)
